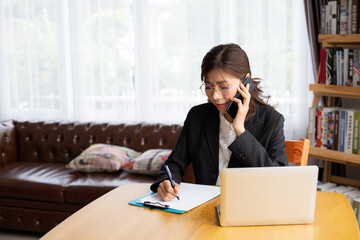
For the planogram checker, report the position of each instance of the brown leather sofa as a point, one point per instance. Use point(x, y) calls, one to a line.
point(37, 192)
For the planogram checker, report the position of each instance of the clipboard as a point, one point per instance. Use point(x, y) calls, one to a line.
point(154, 205)
point(191, 195)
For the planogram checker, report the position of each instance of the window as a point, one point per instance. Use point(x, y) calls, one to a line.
point(122, 60)
point(102, 59)
point(31, 56)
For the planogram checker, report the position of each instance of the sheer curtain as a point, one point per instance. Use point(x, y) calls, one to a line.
point(122, 60)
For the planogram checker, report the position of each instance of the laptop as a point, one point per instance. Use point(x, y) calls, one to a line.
point(267, 195)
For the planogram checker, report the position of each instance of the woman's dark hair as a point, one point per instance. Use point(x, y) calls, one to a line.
point(232, 59)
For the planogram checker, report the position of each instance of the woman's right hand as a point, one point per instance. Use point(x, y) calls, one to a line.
point(166, 192)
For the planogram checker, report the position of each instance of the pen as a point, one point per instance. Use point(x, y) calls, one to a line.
point(170, 178)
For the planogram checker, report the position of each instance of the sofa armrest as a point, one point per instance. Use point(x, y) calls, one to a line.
point(8, 147)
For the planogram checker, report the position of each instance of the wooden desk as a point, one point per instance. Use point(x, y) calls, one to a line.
point(111, 217)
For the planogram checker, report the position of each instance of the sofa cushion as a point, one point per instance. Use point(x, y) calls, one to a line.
point(90, 186)
point(35, 180)
point(148, 163)
point(102, 158)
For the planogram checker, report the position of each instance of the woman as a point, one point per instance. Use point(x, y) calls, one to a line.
point(211, 140)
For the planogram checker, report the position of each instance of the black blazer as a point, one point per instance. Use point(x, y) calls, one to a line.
point(262, 144)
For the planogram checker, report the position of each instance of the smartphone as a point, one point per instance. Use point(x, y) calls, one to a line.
point(233, 107)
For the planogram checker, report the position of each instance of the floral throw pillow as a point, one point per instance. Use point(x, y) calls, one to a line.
point(102, 158)
point(148, 163)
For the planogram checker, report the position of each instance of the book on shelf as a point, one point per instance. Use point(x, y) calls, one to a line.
point(318, 129)
point(355, 148)
point(349, 131)
point(342, 130)
point(356, 68)
point(325, 186)
point(354, 16)
point(336, 133)
point(350, 67)
point(350, 192)
point(322, 74)
point(356, 207)
point(328, 127)
point(339, 17)
point(335, 18)
point(340, 67)
point(341, 189)
point(335, 129)
point(329, 80)
point(344, 17)
point(334, 67)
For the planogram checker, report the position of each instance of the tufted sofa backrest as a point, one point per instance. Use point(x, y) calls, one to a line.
point(60, 142)
point(8, 149)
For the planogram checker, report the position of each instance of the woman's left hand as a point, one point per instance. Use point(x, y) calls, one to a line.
point(243, 108)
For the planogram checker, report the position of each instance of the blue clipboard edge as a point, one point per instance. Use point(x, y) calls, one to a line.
point(136, 203)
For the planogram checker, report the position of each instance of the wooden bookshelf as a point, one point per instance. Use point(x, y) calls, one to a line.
point(339, 40)
point(335, 156)
point(335, 91)
point(339, 157)
point(329, 156)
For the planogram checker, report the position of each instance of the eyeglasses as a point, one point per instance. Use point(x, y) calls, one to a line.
point(222, 88)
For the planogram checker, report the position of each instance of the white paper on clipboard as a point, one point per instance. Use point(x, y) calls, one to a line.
point(191, 196)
